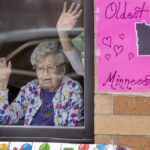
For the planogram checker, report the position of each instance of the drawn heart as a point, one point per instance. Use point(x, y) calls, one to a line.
point(130, 55)
point(108, 56)
point(118, 49)
point(121, 36)
point(107, 41)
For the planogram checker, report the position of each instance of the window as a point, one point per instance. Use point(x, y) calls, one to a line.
point(23, 27)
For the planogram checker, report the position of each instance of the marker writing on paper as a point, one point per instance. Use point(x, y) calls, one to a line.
point(116, 82)
point(113, 10)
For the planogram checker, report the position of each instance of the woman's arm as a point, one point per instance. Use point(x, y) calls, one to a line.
point(74, 57)
point(9, 114)
point(66, 22)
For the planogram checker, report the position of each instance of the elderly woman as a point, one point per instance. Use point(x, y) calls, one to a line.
point(53, 99)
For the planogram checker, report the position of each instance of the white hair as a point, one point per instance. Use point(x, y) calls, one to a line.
point(47, 48)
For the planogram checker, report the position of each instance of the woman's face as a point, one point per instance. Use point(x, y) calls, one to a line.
point(50, 73)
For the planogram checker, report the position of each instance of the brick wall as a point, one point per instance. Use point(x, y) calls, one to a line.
point(122, 118)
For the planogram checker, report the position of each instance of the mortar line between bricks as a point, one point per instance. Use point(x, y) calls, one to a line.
point(120, 115)
point(102, 95)
point(100, 135)
point(120, 135)
point(112, 140)
point(123, 94)
point(112, 104)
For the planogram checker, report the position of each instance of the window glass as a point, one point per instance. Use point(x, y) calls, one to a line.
point(56, 96)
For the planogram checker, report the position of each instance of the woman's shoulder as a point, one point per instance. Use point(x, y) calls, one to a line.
point(33, 83)
point(71, 84)
point(31, 86)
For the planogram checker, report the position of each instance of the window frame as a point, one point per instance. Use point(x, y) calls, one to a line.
point(83, 134)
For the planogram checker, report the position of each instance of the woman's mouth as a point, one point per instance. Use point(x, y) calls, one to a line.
point(47, 80)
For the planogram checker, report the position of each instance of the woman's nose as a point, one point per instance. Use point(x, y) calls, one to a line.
point(45, 71)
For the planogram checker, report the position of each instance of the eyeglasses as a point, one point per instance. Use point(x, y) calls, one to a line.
point(49, 68)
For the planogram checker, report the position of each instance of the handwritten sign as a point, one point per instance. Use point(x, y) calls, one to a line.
point(123, 45)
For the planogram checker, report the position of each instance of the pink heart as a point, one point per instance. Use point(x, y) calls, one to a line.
point(108, 56)
point(121, 36)
point(118, 49)
point(107, 41)
point(130, 55)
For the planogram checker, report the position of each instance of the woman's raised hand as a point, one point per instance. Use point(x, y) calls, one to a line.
point(68, 19)
point(5, 71)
